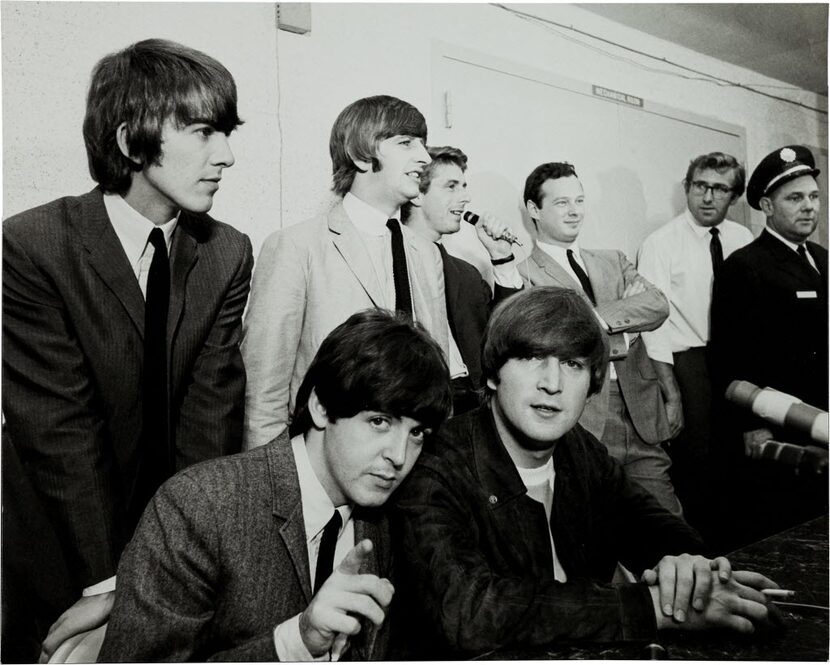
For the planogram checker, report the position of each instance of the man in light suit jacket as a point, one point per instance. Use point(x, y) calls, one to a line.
point(283, 552)
point(436, 212)
point(628, 415)
point(97, 420)
point(311, 276)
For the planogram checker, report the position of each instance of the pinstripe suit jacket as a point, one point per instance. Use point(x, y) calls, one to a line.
point(73, 320)
point(310, 278)
point(610, 273)
point(220, 558)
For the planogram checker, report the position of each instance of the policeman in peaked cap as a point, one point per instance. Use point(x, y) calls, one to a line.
point(777, 168)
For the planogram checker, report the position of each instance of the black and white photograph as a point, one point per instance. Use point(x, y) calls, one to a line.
point(414, 331)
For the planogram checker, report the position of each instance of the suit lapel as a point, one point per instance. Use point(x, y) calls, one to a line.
point(107, 257)
point(553, 270)
point(288, 507)
point(183, 256)
point(787, 261)
point(603, 281)
point(347, 241)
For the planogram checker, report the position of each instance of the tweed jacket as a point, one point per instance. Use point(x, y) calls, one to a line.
point(610, 273)
point(769, 320)
point(474, 550)
point(220, 558)
point(73, 325)
point(469, 302)
point(309, 278)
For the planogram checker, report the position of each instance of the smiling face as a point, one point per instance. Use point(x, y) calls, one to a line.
point(398, 176)
point(792, 209)
point(361, 460)
point(707, 208)
point(443, 203)
point(559, 215)
point(186, 174)
point(538, 400)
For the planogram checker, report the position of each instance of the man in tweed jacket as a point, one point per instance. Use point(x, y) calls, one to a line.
point(228, 561)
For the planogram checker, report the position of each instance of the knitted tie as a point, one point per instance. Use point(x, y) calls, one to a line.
point(325, 556)
point(802, 252)
point(581, 276)
point(403, 298)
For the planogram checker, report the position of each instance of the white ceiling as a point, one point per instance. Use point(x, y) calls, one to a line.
point(787, 42)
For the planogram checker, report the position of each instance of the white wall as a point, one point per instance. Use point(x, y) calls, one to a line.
point(291, 86)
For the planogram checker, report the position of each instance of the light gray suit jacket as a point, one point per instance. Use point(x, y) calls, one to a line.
point(220, 558)
point(309, 278)
point(610, 272)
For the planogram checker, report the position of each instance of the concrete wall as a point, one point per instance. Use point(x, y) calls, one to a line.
point(292, 86)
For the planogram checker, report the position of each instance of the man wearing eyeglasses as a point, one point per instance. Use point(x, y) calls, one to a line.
point(682, 259)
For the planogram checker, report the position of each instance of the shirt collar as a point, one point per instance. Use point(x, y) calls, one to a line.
point(558, 252)
point(698, 229)
point(789, 243)
point(368, 220)
point(317, 506)
point(133, 228)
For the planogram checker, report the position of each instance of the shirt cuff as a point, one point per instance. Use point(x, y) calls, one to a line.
point(507, 275)
point(104, 586)
point(289, 644)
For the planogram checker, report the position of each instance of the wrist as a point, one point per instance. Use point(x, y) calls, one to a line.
point(501, 260)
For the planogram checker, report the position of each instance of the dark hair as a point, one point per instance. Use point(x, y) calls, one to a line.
point(540, 175)
point(144, 85)
point(439, 155)
point(361, 126)
point(377, 361)
point(545, 321)
point(720, 162)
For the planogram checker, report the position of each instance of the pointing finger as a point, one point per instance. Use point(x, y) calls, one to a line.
point(351, 563)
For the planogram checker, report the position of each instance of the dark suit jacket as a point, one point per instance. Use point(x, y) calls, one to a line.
point(473, 550)
point(469, 303)
point(769, 320)
point(610, 273)
point(73, 320)
point(219, 559)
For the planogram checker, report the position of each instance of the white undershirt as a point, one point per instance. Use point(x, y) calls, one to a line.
point(539, 483)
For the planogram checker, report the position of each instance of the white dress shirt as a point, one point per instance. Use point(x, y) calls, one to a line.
point(377, 238)
point(539, 483)
point(676, 259)
point(133, 231)
point(317, 511)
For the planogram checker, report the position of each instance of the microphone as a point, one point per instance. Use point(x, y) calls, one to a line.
point(472, 218)
point(781, 409)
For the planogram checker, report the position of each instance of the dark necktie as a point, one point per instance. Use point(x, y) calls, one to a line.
point(716, 250)
point(403, 299)
point(325, 555)
point(583, 278)
point(159, 456)
point(802, 252)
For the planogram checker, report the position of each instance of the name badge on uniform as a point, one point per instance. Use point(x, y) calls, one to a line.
point(806, 294)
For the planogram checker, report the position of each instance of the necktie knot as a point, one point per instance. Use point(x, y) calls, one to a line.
point(157, 240)
point(716, 251)
point(714, 231)
point(325, 555)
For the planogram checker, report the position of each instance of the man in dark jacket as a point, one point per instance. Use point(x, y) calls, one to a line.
point(494, 558)
point(436, 212)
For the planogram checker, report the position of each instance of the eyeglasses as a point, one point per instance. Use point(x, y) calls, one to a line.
point(699, 187)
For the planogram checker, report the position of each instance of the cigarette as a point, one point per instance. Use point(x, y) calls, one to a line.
point(779, 594)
